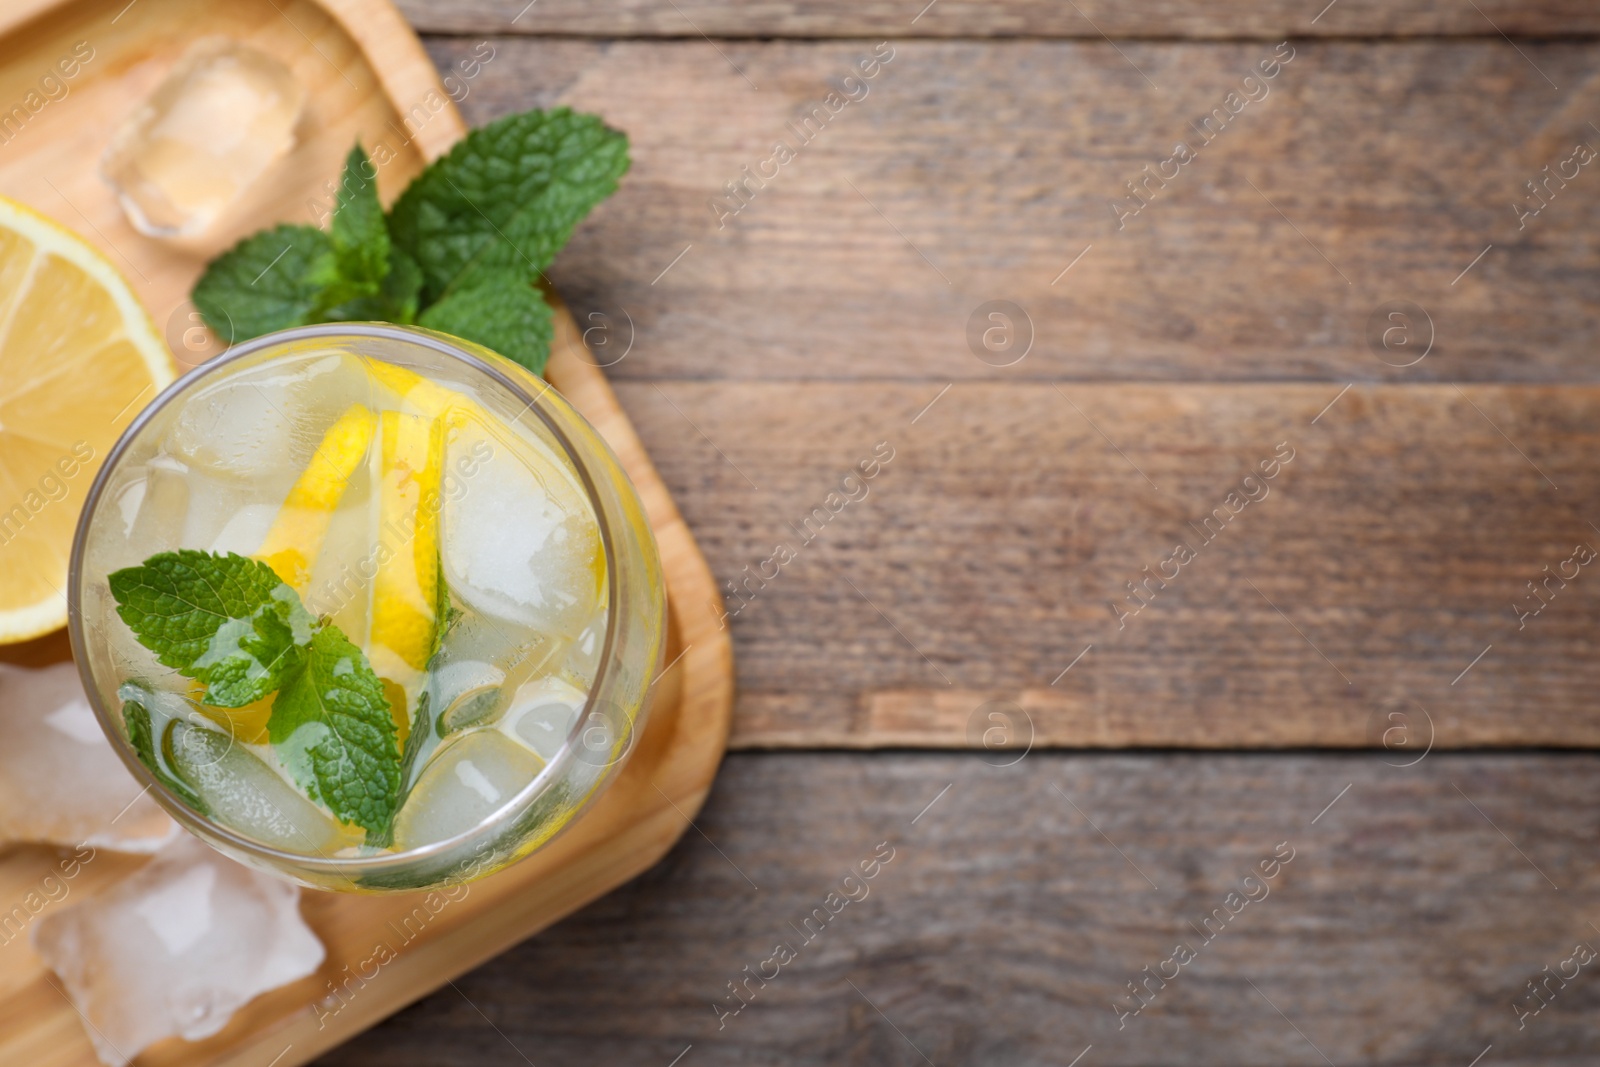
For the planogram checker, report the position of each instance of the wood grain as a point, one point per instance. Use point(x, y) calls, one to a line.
point(1006, 926)
point(983, 559)
point(1274, 19)
point(1393, 165)
point(671, 767)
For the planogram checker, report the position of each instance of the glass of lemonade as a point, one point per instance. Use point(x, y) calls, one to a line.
point(367, 606)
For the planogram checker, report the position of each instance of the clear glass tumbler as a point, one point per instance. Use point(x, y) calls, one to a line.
point(552, 695)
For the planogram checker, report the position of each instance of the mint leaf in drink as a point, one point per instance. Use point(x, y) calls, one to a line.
point(508, 195)
point(226, 621)
point(421, 727)
point(141, 735)
point(333, 730)
point(265, 282)
point(499, 309)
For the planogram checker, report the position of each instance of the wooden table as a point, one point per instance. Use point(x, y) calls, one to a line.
point(1388, 644)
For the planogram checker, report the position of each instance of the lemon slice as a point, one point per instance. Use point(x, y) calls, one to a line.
point(79, 358)
point(417, 392)
point(291, 546)
point(405, 593)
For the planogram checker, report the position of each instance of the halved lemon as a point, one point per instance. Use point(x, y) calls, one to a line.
point(79, 358)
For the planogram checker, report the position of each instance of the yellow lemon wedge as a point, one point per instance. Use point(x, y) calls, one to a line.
point(296, 536)
point(418, 393)
point(405, 593)
point(79, 358)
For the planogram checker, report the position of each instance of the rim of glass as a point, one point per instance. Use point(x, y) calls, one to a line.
point(321, 862)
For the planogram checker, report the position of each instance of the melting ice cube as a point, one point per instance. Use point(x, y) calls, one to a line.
point(520, 541)
point(176, 949)
point(469, 693)
point(159, 505)
point(223, 115)
point(470, 778)
point(246, 795)
point(542, 714)
point(267, 422)
point(60, 780)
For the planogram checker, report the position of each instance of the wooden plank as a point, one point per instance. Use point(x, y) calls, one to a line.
point(52, 165)
point(1005, 928)
point(986, 555)
point(998, 162)
point(1273, 19)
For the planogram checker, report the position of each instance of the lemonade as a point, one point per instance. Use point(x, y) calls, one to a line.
point(370, 607)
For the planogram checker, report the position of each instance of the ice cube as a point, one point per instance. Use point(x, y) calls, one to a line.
point(176, 949)
point(520, 654)
point(245, 530)
point(469, 693)
point(162, 508)
point(520, 540)
point(60, 780)
point(345, 566)
point(471, 777)
point(542, 714)
point(261, 427)
point(248, 796)
point(215, 506)
point(223, 115)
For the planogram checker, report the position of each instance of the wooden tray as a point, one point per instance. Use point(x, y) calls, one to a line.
point(365, 70)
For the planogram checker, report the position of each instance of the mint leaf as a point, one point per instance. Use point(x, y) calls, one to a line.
point(508, 195)
point(421, 727)
point(226, 621)
point(402, 288)
point(136, 717)
point(393, 301)
point(264, 283)
point(334, 732)
point(359, 235)
point(500, 310)
point(457, 253)
point(352, 277)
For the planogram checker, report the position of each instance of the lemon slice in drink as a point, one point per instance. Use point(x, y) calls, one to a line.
point(406, 593)
point(79, 358)
point(296, 537)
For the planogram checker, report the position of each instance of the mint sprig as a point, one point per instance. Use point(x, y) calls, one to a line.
point(460, 252)
point(226, 621)
point(508, 195)
point(232, 624)
point(266, 282)
point(333, 730)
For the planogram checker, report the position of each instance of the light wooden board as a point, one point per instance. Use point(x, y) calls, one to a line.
point(51, 165)
point(1274, 19)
